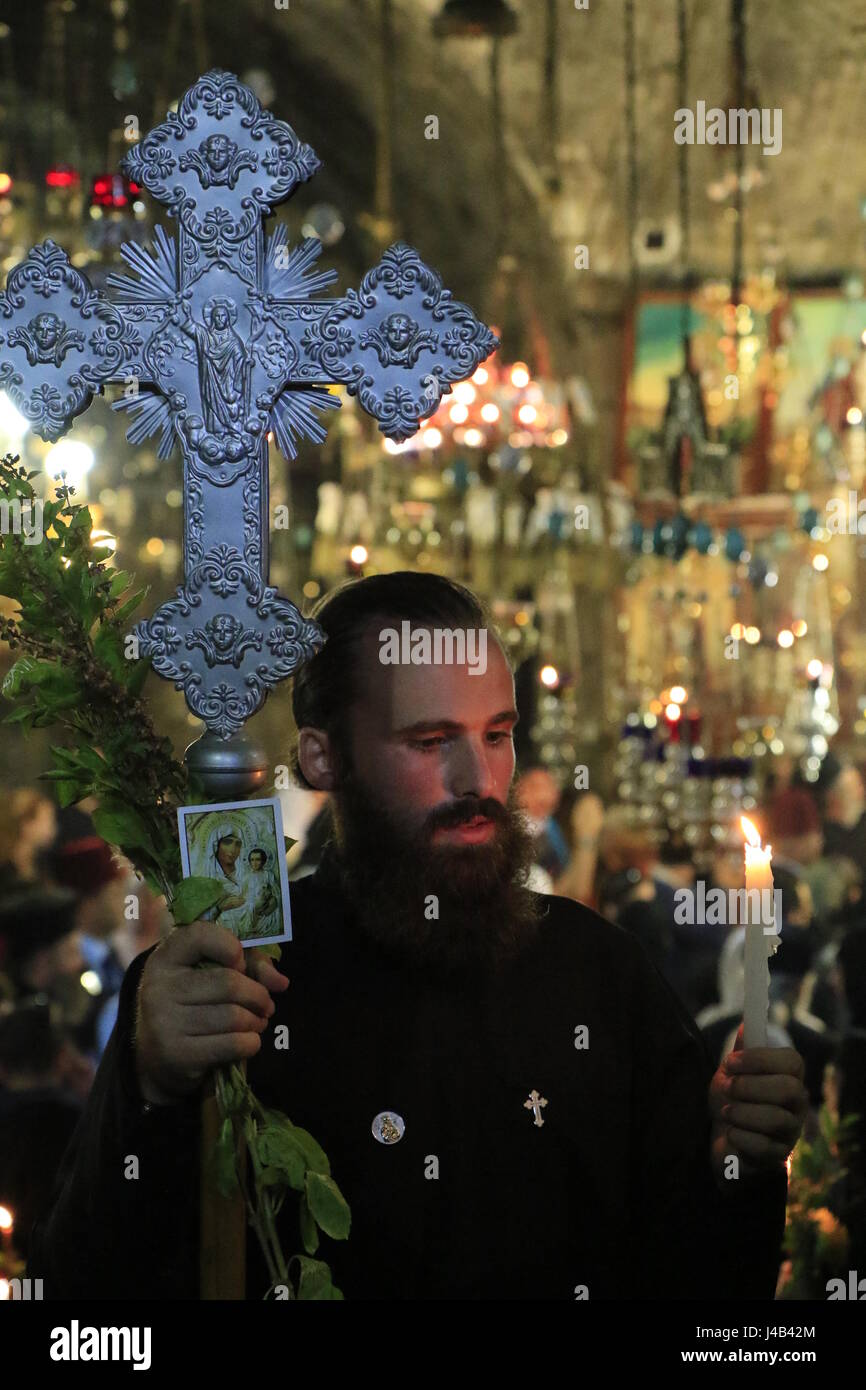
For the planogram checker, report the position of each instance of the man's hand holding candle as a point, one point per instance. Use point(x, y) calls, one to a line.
point(758, 1104)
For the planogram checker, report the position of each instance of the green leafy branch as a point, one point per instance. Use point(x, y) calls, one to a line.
point(77, 670)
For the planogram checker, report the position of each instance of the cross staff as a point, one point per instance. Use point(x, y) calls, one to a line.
point(218, 339)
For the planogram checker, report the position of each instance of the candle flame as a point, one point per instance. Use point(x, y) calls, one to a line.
point(750, 831)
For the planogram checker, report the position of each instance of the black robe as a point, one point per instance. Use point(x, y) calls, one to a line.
point(613, 1193)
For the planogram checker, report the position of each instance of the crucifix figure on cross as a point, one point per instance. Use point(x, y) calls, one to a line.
point(219, 340)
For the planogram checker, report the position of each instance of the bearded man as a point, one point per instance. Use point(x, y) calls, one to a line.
point(514, 1103)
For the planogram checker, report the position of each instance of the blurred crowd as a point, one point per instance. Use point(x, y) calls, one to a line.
point(594, 853)
point(72, 918)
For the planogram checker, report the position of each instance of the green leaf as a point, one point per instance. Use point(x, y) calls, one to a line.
point(24, 675)
point(315, 1157)
point(309, 1230)
point(273, 1177)
point(82, 518)
point(120, 580)
point(138, 675)
point(277, 1149)
point(224, 1171)
point(328, 1206)
point(108, 648)
point(193, 896)
point(122, 613)
point(68, 793)
point(20, 715)
point(314, 1284)
point(122, 825)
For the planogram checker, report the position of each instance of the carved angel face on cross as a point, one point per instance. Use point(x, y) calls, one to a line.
point(398, 329)
point(217, 151)
point(45, 328)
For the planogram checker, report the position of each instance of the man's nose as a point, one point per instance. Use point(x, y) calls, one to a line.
point(469, 771)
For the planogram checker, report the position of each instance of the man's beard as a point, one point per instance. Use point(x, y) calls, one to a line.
point(452, 906)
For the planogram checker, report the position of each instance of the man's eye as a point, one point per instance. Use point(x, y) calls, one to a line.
point(427, 745)
point(499, 737)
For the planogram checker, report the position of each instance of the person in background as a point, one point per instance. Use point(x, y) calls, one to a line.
point(27, 829)
point(538, 797)
point(794, 830)
point(40, 943)
point(845, 815)
point(88, 868)
point(578, 878)
point(39, 1110)
point(147, 920)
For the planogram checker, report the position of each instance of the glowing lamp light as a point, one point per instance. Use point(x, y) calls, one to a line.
point(155, 546)
point(464, 392)
point(61, 178)
point(814, 669)
point(527, 414)
point(854, 415)
point(359, 555)
point(672, 712)
point(90, 982)
point(6, 1219)
point(481, 377)
point(753, 636)
point(820, 562)
point(558, 438)
point(431, 438)
point(112, 191)
point(799, 628)
point(473, 439)
point(4, 1290)
point(549, 676)
point(71, 457)
point(490, 413)
point(785, 638)
point(520, 375)
point(458, 414)
point(5, 184)
point(738, 632)
point(679, 694)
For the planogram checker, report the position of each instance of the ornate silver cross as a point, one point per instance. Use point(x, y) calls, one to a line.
point(536, 1104)
point(218, 340)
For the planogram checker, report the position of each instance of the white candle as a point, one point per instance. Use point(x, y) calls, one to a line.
point(759, 947)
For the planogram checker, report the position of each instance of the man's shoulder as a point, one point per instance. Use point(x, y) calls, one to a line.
point(569, 925)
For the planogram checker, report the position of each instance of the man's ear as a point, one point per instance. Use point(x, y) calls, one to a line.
point(316, 759)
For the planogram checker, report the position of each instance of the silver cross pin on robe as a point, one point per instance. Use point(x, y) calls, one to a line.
point(536, 1104)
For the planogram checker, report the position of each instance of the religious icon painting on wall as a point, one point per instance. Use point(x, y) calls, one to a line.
point(241, 845)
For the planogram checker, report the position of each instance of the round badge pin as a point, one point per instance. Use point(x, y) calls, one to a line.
point(388, 1127)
